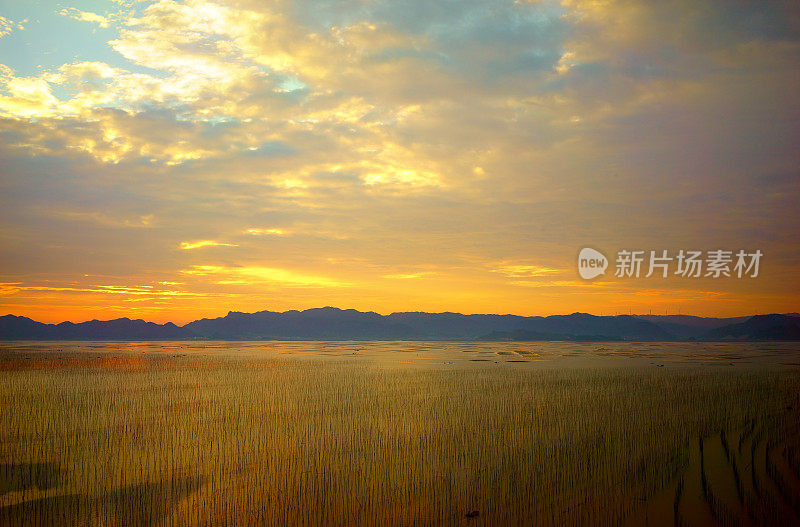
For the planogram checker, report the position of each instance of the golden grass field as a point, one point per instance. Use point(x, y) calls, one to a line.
point(95, 437)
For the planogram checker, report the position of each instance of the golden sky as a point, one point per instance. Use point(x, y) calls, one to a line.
point(171, 160)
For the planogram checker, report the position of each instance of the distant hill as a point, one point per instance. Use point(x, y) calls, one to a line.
point(326, 323)
point(760, 327)
point(22, 328)
point(331, 323)
point(690, 327)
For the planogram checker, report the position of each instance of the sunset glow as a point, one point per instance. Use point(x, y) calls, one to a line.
point(172, 160)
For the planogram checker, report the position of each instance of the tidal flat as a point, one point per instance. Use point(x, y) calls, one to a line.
point(399, 433)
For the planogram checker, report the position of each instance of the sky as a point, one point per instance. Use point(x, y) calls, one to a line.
point(175, 160)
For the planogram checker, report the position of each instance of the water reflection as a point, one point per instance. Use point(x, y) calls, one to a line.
point(170, 355)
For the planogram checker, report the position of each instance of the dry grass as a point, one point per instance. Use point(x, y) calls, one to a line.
point(240, 442)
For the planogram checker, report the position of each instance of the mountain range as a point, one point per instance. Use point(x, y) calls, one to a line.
point(331, 323)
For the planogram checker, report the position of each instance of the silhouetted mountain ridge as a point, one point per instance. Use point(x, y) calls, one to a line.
point(312, 324)
point(761, 327)
point(330, 323)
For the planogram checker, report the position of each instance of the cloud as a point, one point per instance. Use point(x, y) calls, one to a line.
point(259, 232)
point(525, 271)
point(106, 219)
point(10, 288)
point(7, 26)
point(205, 243)
point(407, 276)
point(85, 16)
point(248, 275)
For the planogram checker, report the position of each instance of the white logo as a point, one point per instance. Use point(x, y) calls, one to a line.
point(591, 263)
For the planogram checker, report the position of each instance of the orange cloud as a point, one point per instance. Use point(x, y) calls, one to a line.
point(256, 274)
point(199, 244)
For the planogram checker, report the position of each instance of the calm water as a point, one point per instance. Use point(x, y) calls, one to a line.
point(33, 354)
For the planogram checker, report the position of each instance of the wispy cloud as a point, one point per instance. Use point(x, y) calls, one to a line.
point(525, 271)
point(199, 244)
point(10, 288)
point(269, 232)
point(85, 16)
point(407, 276)
point(256, 274)
point(7, 26)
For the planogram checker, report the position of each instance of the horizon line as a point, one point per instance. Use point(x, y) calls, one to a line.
point(230, 312)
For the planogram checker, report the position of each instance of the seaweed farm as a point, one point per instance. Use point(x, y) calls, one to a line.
point(399, 433)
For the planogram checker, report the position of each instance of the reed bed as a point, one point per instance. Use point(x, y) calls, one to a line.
point(342, 442)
